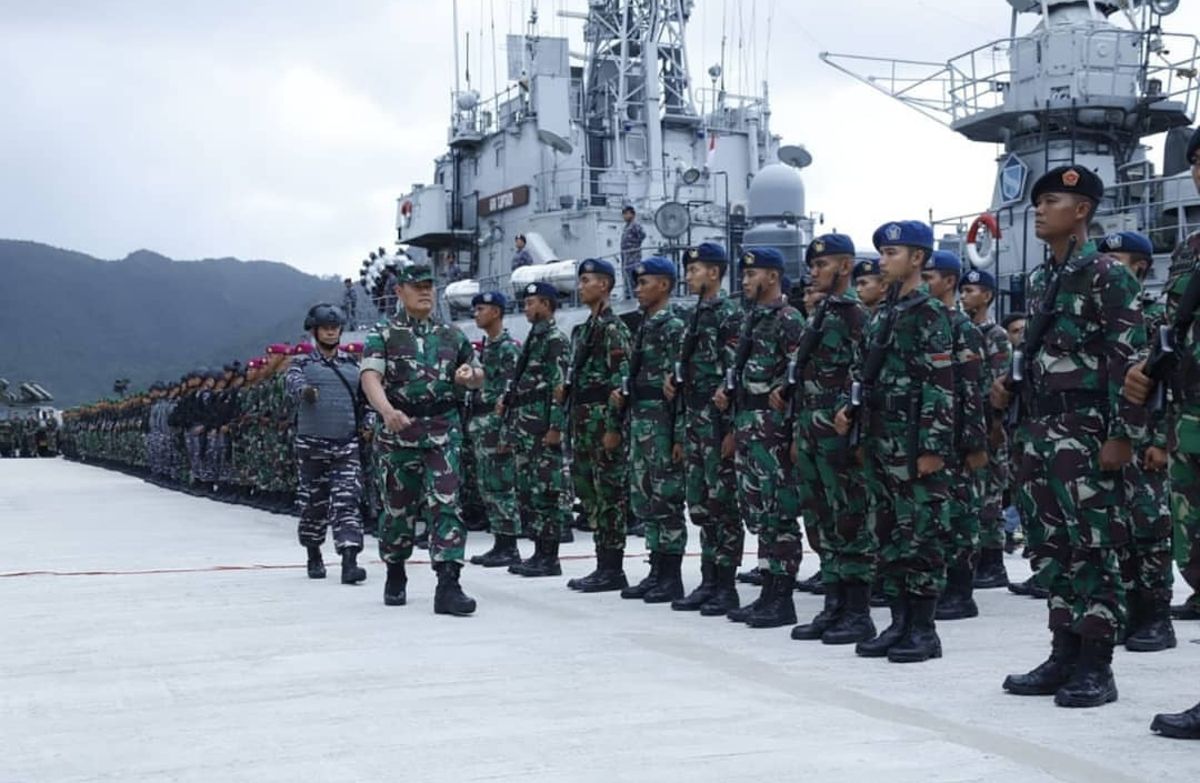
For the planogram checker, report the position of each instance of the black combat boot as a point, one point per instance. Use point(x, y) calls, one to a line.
point(670, 581)
point(1188, 610)
point(448, 597)
point(504, 553)
point(566, 535)
point(577, 583)
point(725, 596)
point(879, 646)
point(611, 574)
point(1154, 632)
point(853, 624)
point(646, 585)
point(521, 567)
point(1030, 588)
point(835, 599)
point(878, 596)
point(703, 591)
point(765, 591)
point(1178, 725)
point(352, 572)
point(811, 584)
point(959, 596)
point(990, 572)
point(751, 577)
point(395, 588)
point(316, 563)
point(543, 563)
point(580, 522)
point(1092, 683)
point(780, 607)
point(921, 642)
point(1051, 674)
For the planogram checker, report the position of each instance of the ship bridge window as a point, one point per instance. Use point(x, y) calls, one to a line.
point(499, 155)
point(635, 147)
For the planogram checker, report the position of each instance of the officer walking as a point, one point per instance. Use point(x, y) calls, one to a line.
point(655, 433)
point(1076, 439)
point(711, 485)
point(413, 369)
point(324, 384)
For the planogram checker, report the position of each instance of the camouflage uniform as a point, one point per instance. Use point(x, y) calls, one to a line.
point(767, 494)
point(832, 489)
point(600, 360)
point(1184, 428)
point(542, 485)
point(997, 355)
point(418, 467)
point(910, 413)
point(632, 237)
point(1073, 404)
point(711, 488)
point(656, 480)
point(495, 469)
point(970, 435)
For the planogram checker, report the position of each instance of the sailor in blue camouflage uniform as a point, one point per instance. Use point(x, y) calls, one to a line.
point(324, 385)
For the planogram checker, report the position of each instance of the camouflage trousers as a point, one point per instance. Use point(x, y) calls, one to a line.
point(599, 478)
point(656, 481)
point(834, 497)
point(1081, 527)
point(711, 489)
point(1185, 511)
point(964, 504)
point(991, 507)
point(420, 485)
point(329, 489)
point(214, 456)
point(543, 487)
point(1146, 563)
point(909, 515)
point(495, 472)
point(195, 451)
point(470, 492)
point(767, 496)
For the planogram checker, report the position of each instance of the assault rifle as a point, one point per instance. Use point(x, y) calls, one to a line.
point(745, 343)
point(861, 389)
point(510, 389)
point(808, 345)
point(1035, 335)
point(1164, 352)
point(679, 376)
point(629, 382)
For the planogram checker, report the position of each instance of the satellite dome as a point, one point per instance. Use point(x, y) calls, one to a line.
point(776, 191)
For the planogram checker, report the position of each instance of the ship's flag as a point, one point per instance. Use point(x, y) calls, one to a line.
point(712, 150)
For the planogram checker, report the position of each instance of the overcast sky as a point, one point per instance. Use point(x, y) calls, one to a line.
point(285, 129)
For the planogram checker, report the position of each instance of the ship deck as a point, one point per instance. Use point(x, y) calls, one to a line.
point(154, 636)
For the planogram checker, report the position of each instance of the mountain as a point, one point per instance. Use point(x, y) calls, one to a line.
point(75, 323)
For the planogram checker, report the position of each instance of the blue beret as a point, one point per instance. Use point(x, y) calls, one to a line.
point(785, 284)
point(907, 233)
point(541, 289)
point(597, 266)
point(829, 245)
point(865, 266)
point(708, 252)
point(944, 261)
point(978, 277)
point(1069, 179)
point(1127, 242)
point(761, 258)
point(494, 298)
point(1194, 145)
point(655, 265)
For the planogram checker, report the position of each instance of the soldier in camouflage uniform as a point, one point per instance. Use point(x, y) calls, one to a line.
point(324, 386)
point(655, 433)
point(1076, 438)
point(6, 436)
point(711, 485)
point(599, 363)
point(532, 429)
point(1146, 562)
point(908, 419)
point(833, 487)
point(413, 371)
point(767, 496)
point(977, 291)
point(942, 274)
point(495, 466)
point(868, 283)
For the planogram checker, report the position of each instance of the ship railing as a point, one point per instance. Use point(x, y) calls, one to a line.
point(489, 115)
point(576, 188)
point(729, 111)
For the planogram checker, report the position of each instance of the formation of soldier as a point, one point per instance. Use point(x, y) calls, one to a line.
point(888, 411)
point(28, 435)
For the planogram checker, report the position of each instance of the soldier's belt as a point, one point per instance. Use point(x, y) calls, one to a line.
point(592, 395)
point(889, 403)
point(1056, 404)
point(822, 400)
point(647, 392)
point(424, 410)
point(753, 402)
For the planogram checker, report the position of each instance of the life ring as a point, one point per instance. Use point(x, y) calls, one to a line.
point(406, 210)
point(987, 257)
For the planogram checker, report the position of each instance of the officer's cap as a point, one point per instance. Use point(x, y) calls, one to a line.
point(1076, 180)
point(416, 273)
point(829, 245)
point(905, 233)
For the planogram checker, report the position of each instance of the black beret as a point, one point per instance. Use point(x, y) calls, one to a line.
point(1069, 179)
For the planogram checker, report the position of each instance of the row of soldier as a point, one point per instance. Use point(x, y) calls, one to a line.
point(753, 414)
point(27, 435)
